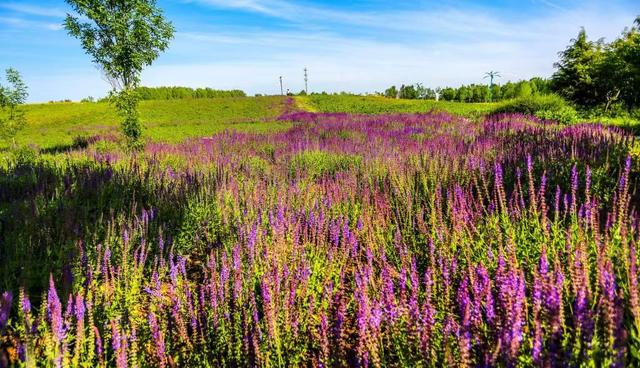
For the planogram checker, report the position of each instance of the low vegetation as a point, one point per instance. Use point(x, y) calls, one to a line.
point(378, 104)
point(53, 126)
point(321, 230)
point(344, 240)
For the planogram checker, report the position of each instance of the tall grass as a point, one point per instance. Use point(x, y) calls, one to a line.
point(360, 240)
point(55, 125)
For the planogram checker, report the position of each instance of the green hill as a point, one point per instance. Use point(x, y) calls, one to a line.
point(56, 124)
point(378, 104)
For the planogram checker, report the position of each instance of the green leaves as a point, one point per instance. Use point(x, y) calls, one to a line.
point(599, 74)
point(12, 119)
point(126, 102)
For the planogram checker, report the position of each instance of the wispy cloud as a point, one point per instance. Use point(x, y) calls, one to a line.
point(27, 23)
point(36, 10)
point(274, 8)
point(436, 20)
point(359, 48)
point(447, 46)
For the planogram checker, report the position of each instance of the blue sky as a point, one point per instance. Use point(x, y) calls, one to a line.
point(357, 45)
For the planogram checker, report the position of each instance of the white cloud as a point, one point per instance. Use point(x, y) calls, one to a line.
point(34, 10)
point(451, 47)
point(273, 8)
point(362, 52)
point(26, 23)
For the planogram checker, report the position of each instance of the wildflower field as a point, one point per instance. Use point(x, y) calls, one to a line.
point(337, 239)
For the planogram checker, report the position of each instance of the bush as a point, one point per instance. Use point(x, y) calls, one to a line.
point(563, 115)
point(551, 107)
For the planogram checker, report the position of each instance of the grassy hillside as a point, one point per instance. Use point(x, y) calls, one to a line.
point(56, 124)
point(377, 104)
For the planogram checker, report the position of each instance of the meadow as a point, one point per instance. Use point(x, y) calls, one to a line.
point(321, 232)
point(55, 125)
point(379, 104)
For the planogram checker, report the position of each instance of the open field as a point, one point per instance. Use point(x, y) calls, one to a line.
point(336, 239)
point(492, 222)
point(53, 126)
point(377, 105)
point(56, 124)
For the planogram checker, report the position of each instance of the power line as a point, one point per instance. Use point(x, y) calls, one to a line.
point(306, 79)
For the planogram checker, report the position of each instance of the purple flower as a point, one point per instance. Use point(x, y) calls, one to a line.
point(119, 345)
point(25, 304)
point(79, 307)
point(54, 312)
point(5, 308)
point(158, 339)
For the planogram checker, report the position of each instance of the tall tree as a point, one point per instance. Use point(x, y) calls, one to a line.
point(574, 78)
point(625, 60)
point(391, 92)
point(12, 119)
point(599, 74)
point(122, 37)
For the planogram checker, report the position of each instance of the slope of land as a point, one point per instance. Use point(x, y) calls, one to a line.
point(56, 124)
point(377, 105)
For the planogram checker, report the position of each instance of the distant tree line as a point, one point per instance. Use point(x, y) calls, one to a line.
point(599, 74)
point(473, 92)
point(177, 93)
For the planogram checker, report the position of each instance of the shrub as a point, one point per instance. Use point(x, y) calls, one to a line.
point(563, 115)
point(551, 107)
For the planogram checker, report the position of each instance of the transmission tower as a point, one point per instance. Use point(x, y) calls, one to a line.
point(492, 74)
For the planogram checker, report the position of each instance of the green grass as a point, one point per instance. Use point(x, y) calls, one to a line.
point(377, 104)
point(627, 123)
point(56, 124)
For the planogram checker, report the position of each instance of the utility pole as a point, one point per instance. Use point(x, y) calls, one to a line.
point(281, 89)
point(492, 74)
point(306, 79)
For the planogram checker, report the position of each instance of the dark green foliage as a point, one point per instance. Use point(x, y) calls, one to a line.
point(408, 92)
point(598, 74)
point(391, 92)
point(122, 37)
point(551, 107)
point(474, 92)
